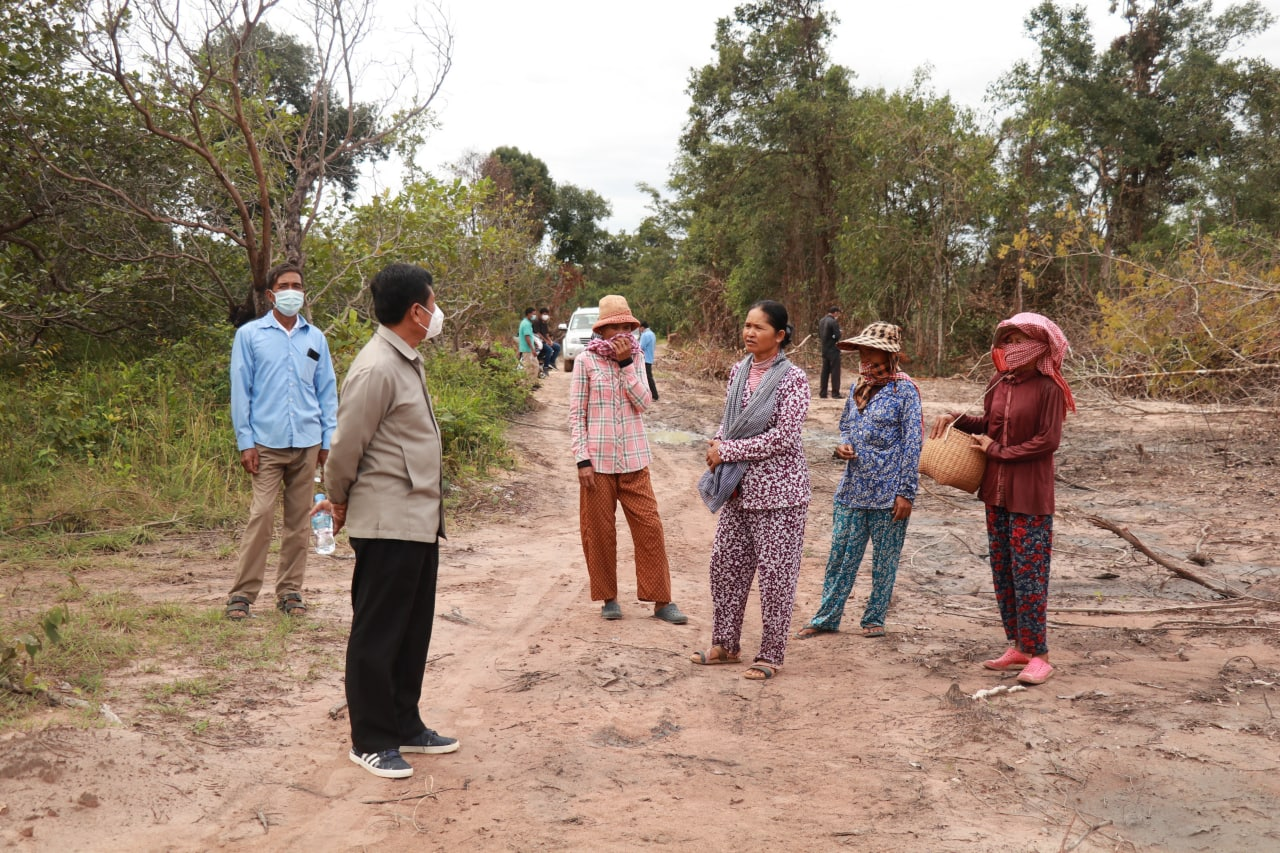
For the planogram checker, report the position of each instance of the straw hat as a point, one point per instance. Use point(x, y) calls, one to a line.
point(614, 309)
point(881, 336)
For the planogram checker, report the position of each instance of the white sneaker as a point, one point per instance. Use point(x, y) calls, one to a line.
point(388, 764)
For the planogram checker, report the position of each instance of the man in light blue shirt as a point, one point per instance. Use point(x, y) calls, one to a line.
point(284, 407)
point(648, 342)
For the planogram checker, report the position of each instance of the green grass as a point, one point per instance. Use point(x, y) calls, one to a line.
point(99, 458)
point(110, 632)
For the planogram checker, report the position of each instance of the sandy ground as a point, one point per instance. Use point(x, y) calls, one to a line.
point(1158, 732)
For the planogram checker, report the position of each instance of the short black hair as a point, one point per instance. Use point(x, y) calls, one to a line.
point(527, 312)
point(644, 324)
point(834, 309)
point(776, 313)
point(397, 289)
point(273, 274)
point(546, 310)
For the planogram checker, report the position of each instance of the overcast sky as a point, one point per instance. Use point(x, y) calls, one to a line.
point(596, 88)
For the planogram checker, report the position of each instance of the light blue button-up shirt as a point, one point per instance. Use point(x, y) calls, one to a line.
point(284, 392)
point(648, 341)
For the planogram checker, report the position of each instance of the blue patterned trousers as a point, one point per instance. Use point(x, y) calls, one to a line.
point(851, 530)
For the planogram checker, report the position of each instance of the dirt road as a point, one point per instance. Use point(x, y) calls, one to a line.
point(1158, 733)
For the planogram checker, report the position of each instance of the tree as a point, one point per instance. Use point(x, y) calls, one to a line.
point(473, 239)
point(913, 207)
point(577, 235)
point(761, 156)
point(260, 150)
point(68, 266)
point(1133, 128)
point(646, 268)
point(526, 179)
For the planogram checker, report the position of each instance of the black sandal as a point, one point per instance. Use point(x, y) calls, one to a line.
point(237, 608)
point(290, 604)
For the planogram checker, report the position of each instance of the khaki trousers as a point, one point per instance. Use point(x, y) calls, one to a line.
point(295, 468)
point(597, 511)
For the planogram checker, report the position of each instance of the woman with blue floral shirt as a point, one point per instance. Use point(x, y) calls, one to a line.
point(880, 434)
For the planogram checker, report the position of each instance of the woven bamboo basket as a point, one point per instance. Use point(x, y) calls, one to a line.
point(953, 460)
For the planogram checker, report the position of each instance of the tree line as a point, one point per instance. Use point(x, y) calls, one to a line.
point(1114, 167)
point(156, 156)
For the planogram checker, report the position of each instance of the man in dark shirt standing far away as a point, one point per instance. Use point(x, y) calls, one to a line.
point(829, 333)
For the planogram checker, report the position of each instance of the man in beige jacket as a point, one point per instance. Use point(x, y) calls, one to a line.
point(384, 479)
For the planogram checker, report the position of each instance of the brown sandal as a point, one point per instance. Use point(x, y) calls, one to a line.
point(237, 608)
point(291, 604)
point(710, 657)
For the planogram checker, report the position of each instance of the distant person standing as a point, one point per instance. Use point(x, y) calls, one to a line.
point(606, 399)
point(386, 485)
point(284, 403)
point(829, 333)
point(550, 349)
point(648, 343)
point(524, 337)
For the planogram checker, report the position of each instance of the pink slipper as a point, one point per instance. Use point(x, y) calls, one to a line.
point(1011, 659)
point(1038, 671)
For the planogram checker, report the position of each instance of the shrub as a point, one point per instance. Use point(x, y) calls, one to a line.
point(95, 445)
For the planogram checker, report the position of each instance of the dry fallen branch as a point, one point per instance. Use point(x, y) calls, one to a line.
point(1092, 829)
point(432, 792)
point(1152, 374)
point(1182, 572)
point(946, 500)
point(455, 615)
point(55, 698)
point(1179, 608)
point(1212, 626)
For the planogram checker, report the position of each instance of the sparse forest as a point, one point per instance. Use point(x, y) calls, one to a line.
point(158, 157)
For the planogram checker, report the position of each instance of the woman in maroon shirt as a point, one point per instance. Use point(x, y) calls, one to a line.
point(1019, 430)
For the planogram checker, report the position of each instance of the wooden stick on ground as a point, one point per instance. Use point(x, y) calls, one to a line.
point(1184, 573)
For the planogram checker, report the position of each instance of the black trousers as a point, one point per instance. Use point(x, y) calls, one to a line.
point(653, 389)
point(393, 596)
point(830, 368)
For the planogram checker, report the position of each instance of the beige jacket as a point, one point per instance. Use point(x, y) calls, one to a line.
point(385, 458)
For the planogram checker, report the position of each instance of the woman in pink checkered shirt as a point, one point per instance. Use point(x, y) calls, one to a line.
point(607, 396)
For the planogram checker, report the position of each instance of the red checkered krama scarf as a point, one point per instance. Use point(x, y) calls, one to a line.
point(602, 346)
point(1046, 349)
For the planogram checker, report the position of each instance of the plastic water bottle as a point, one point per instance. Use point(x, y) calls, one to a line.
point(322, 527)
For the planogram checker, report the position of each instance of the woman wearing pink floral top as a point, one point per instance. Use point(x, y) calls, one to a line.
point(759, 480)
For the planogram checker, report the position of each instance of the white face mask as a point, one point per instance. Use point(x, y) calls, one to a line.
point(435, 325)
point(546, 317)
point(289, 302)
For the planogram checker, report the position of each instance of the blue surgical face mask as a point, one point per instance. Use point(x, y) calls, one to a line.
point(289, 302)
